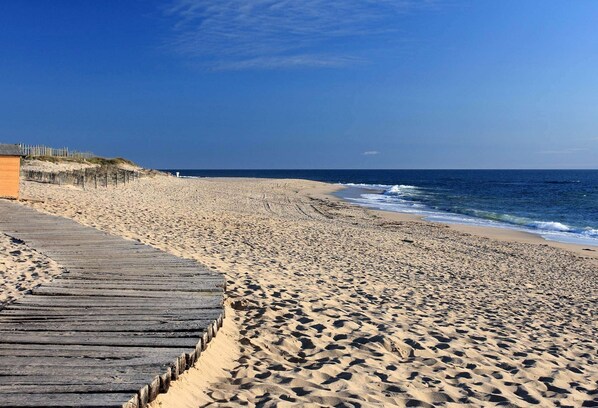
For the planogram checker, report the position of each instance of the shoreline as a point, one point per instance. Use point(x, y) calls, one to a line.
point(502, 232)
point(499, 233)
point(327, 190)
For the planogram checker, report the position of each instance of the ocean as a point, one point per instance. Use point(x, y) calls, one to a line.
point(559, 205)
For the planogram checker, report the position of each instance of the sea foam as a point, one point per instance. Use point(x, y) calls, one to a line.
point(550, 226)
point(412, 200)
point(399, 189)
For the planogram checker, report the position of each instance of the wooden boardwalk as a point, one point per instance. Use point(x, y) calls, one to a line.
point(113, 330)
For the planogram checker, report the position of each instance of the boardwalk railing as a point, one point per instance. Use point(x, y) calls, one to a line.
point(85, 178)
point(38, 150)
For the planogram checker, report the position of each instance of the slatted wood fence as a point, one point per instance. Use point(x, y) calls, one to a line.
point(39, 150)
point(85, 178)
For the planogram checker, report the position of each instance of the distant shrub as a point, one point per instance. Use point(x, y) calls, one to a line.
point(109, 162)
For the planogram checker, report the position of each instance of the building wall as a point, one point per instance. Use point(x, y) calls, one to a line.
point(10, 166)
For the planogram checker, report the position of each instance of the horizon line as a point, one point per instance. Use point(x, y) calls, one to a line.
point(381, 169)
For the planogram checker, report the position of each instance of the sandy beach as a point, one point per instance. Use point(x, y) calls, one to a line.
point(331, 304)
point(22, 268)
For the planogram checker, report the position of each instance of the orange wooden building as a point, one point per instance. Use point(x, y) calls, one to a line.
point(10, 168)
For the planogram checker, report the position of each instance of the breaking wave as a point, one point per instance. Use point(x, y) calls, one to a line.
point(416, 200)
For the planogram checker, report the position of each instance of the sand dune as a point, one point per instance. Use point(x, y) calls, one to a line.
point(50, 167)
point(332, 304)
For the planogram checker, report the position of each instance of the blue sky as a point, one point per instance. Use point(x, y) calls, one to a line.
point(305, 83)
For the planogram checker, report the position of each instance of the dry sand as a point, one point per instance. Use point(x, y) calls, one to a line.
point(332, 304)
point(21, 269)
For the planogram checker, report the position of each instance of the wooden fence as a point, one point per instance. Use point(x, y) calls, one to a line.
point(37, 150)
point(86, 178)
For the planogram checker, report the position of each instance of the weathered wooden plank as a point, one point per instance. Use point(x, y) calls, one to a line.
point(57, 290)
point(146, 365)
point(206, 301)
point(76, 350)
point(40, 388)
point(139, 271)
point(107, 326)
point(59, 364)
point(145, 338)
point(123, 317)
point(144, 286)
point(72, 375)
point(102, 373)
point(129, 260)
point(156, 278)
point(167, 311)
point(102, 316)
point(67, 400)
point(82, 316)
point(138, 275)
point(77, 378)
point(148, 321)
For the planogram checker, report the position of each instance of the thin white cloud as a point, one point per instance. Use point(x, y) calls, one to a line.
point(291, 61)
point(249, 34)
point(568, 150)
point(371, 153)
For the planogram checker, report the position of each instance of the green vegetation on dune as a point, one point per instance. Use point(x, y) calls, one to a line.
point(110, 162)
